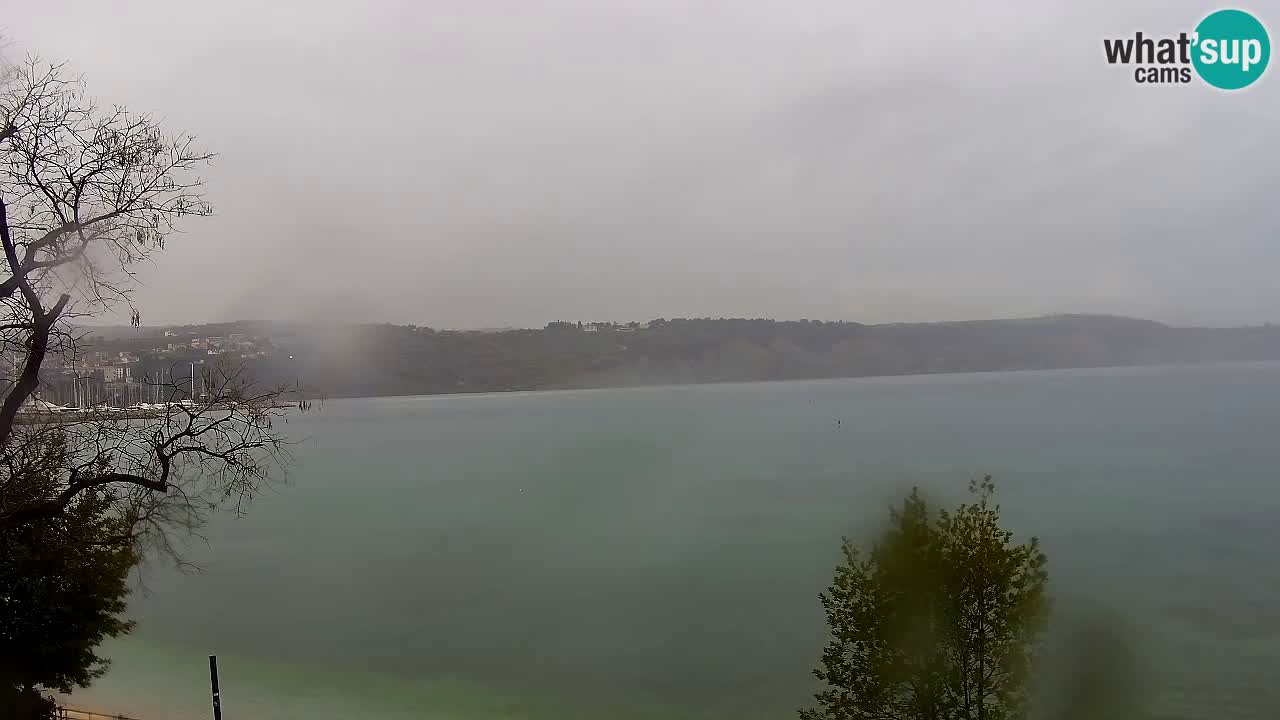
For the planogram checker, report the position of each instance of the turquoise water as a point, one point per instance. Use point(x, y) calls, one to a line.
point(656, 553)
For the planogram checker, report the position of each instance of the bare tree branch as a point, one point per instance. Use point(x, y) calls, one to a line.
point(86, 193)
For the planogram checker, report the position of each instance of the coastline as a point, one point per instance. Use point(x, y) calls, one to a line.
point(68, 417)
point(769, 381)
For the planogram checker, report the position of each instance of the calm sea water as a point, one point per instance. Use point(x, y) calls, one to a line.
point(656, 553)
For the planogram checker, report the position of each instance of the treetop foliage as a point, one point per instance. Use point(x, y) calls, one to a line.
point(941, 619)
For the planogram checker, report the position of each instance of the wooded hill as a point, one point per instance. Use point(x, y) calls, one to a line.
point(354, 360)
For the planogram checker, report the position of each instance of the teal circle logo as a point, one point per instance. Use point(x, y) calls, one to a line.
point(1231, 49)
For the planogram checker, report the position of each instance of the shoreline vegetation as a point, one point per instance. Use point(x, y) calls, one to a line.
point(384, 360)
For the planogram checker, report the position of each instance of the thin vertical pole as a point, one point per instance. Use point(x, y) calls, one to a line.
point(213, 681)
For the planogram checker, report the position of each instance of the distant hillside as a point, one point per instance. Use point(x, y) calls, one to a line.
point(390, 359)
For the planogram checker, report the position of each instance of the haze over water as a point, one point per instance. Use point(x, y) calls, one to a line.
point(658, 552)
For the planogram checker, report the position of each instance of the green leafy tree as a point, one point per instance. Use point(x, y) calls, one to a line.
point(941, 620)
point(63, 585)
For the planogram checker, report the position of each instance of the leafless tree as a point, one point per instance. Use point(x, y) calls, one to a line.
point(86, 194)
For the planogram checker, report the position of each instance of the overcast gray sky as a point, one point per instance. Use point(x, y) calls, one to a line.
point(480, 163)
